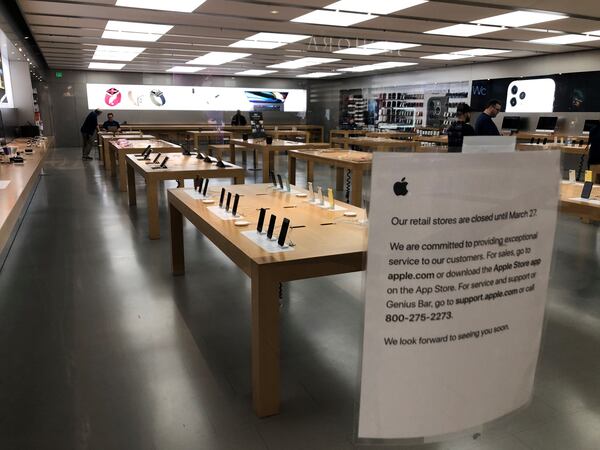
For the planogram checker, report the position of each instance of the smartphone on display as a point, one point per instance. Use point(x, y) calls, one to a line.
point(156, 159)
point(222, 197)
point(205, 188)
point(271, 228)
point(273, 178)
point(280, 181)
point(587, 189)
point(228, 202)
point(236, 201)
point(147, 154)
point(532, 96)
point(197, 184)
point(283, 232)
point(146, 151)
point(261, 220)
point(164, 163)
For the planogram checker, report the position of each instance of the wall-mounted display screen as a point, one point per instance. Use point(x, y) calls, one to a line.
point(6, 100)
point(589, 124)
point(531, 96)
point(546, 124)
point(511, 123)
point(193, 98)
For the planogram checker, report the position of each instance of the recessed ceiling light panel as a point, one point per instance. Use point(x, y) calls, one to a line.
point(217, 58)
point(480, 52)
point(133, 31)
point(446, 56)
point(106, 66)
point(565, 39)
point(334, 18)
point(520, 18)
point(185, 69)
point(464, 30)
point(255, 72)
point(375, 48)
point(378, 66)
point(374, 6)
point(303, 62)
point(162, 5)
point(116, 53)
point(317, 75)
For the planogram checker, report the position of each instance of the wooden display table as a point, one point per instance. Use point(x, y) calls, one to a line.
point(283, 134)
point(117, 152)
point(346, 133)
point(570, 203)
point(206, 136)
point(431, 149)
point(104, 137)
point(267, 151)
point(356, 162)
point(326, 244)
point(374, 144)
point(219, 149)
point(403, 135)
point(435, 139)
point(15, 195)
point(179, 168)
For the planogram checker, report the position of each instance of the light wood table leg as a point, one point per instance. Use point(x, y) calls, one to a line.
point(339, 178)
point(239, 180)
point(265, 342)
point(177, 252)
point(131, 185)
point(152, 201)
point(122, 172)
point(112, 164)
point(310, 171)
point(266, 165)
point(292, 169)
point(232, 154)
point(357, 187)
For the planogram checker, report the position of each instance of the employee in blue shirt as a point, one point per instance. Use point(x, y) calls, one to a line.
point(485, 126)
point(111, 124)
point(88, 130)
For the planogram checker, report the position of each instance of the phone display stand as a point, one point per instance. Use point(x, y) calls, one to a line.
point(222, 214)
point(268, 245)
point(327, 205)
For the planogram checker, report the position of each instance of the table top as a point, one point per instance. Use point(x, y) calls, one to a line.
point(179, 163)
point(132, 137)
point(333, 155)
point(392, 134)
point(570, 194)
point(375, 141)
point(349, 132)
point(439, 139)
point(277, 145)
point(344, 235)
point(209, 133)
point(143, 143)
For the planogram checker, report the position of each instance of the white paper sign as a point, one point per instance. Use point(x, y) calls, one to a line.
point(457, 275)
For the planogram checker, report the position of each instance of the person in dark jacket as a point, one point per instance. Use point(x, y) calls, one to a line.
point(460, 128)
point(238, 119)
point(594, 153)
point(111, 124)
point(485, 126)
point(88, 130)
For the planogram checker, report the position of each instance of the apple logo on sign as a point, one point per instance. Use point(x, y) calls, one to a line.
point(401, 187)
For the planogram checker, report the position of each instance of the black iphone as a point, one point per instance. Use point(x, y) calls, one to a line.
point(147, 155)
point(144, 151)
point(545, 141)
point(228, 201)
point(280, 181)
point(207, 159)
point(587, 189)
point(222, 197)
point(261, 220)
point(205, 188)
point(273, 178)
point(283, 232)
point(156, 159)
point(236, 200)
point(164, 163)
point(271, 228)
point(197, 184)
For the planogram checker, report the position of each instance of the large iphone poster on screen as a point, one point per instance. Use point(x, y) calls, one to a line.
point(568, 92)
point(456, 286)
point(194, 98)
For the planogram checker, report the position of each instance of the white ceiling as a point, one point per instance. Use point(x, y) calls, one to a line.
point(68, 31)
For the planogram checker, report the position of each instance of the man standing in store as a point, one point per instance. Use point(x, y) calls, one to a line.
point(594, 154)
point(238, 119)
point(485, 126)
point(111, 124)
point(88, 130)
point(459, 129)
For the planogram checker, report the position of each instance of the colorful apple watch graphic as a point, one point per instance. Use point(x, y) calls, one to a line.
point(157, 97)
point(135, 99)
point(113, 97)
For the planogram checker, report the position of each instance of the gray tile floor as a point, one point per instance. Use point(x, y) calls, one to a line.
point(102, 349)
